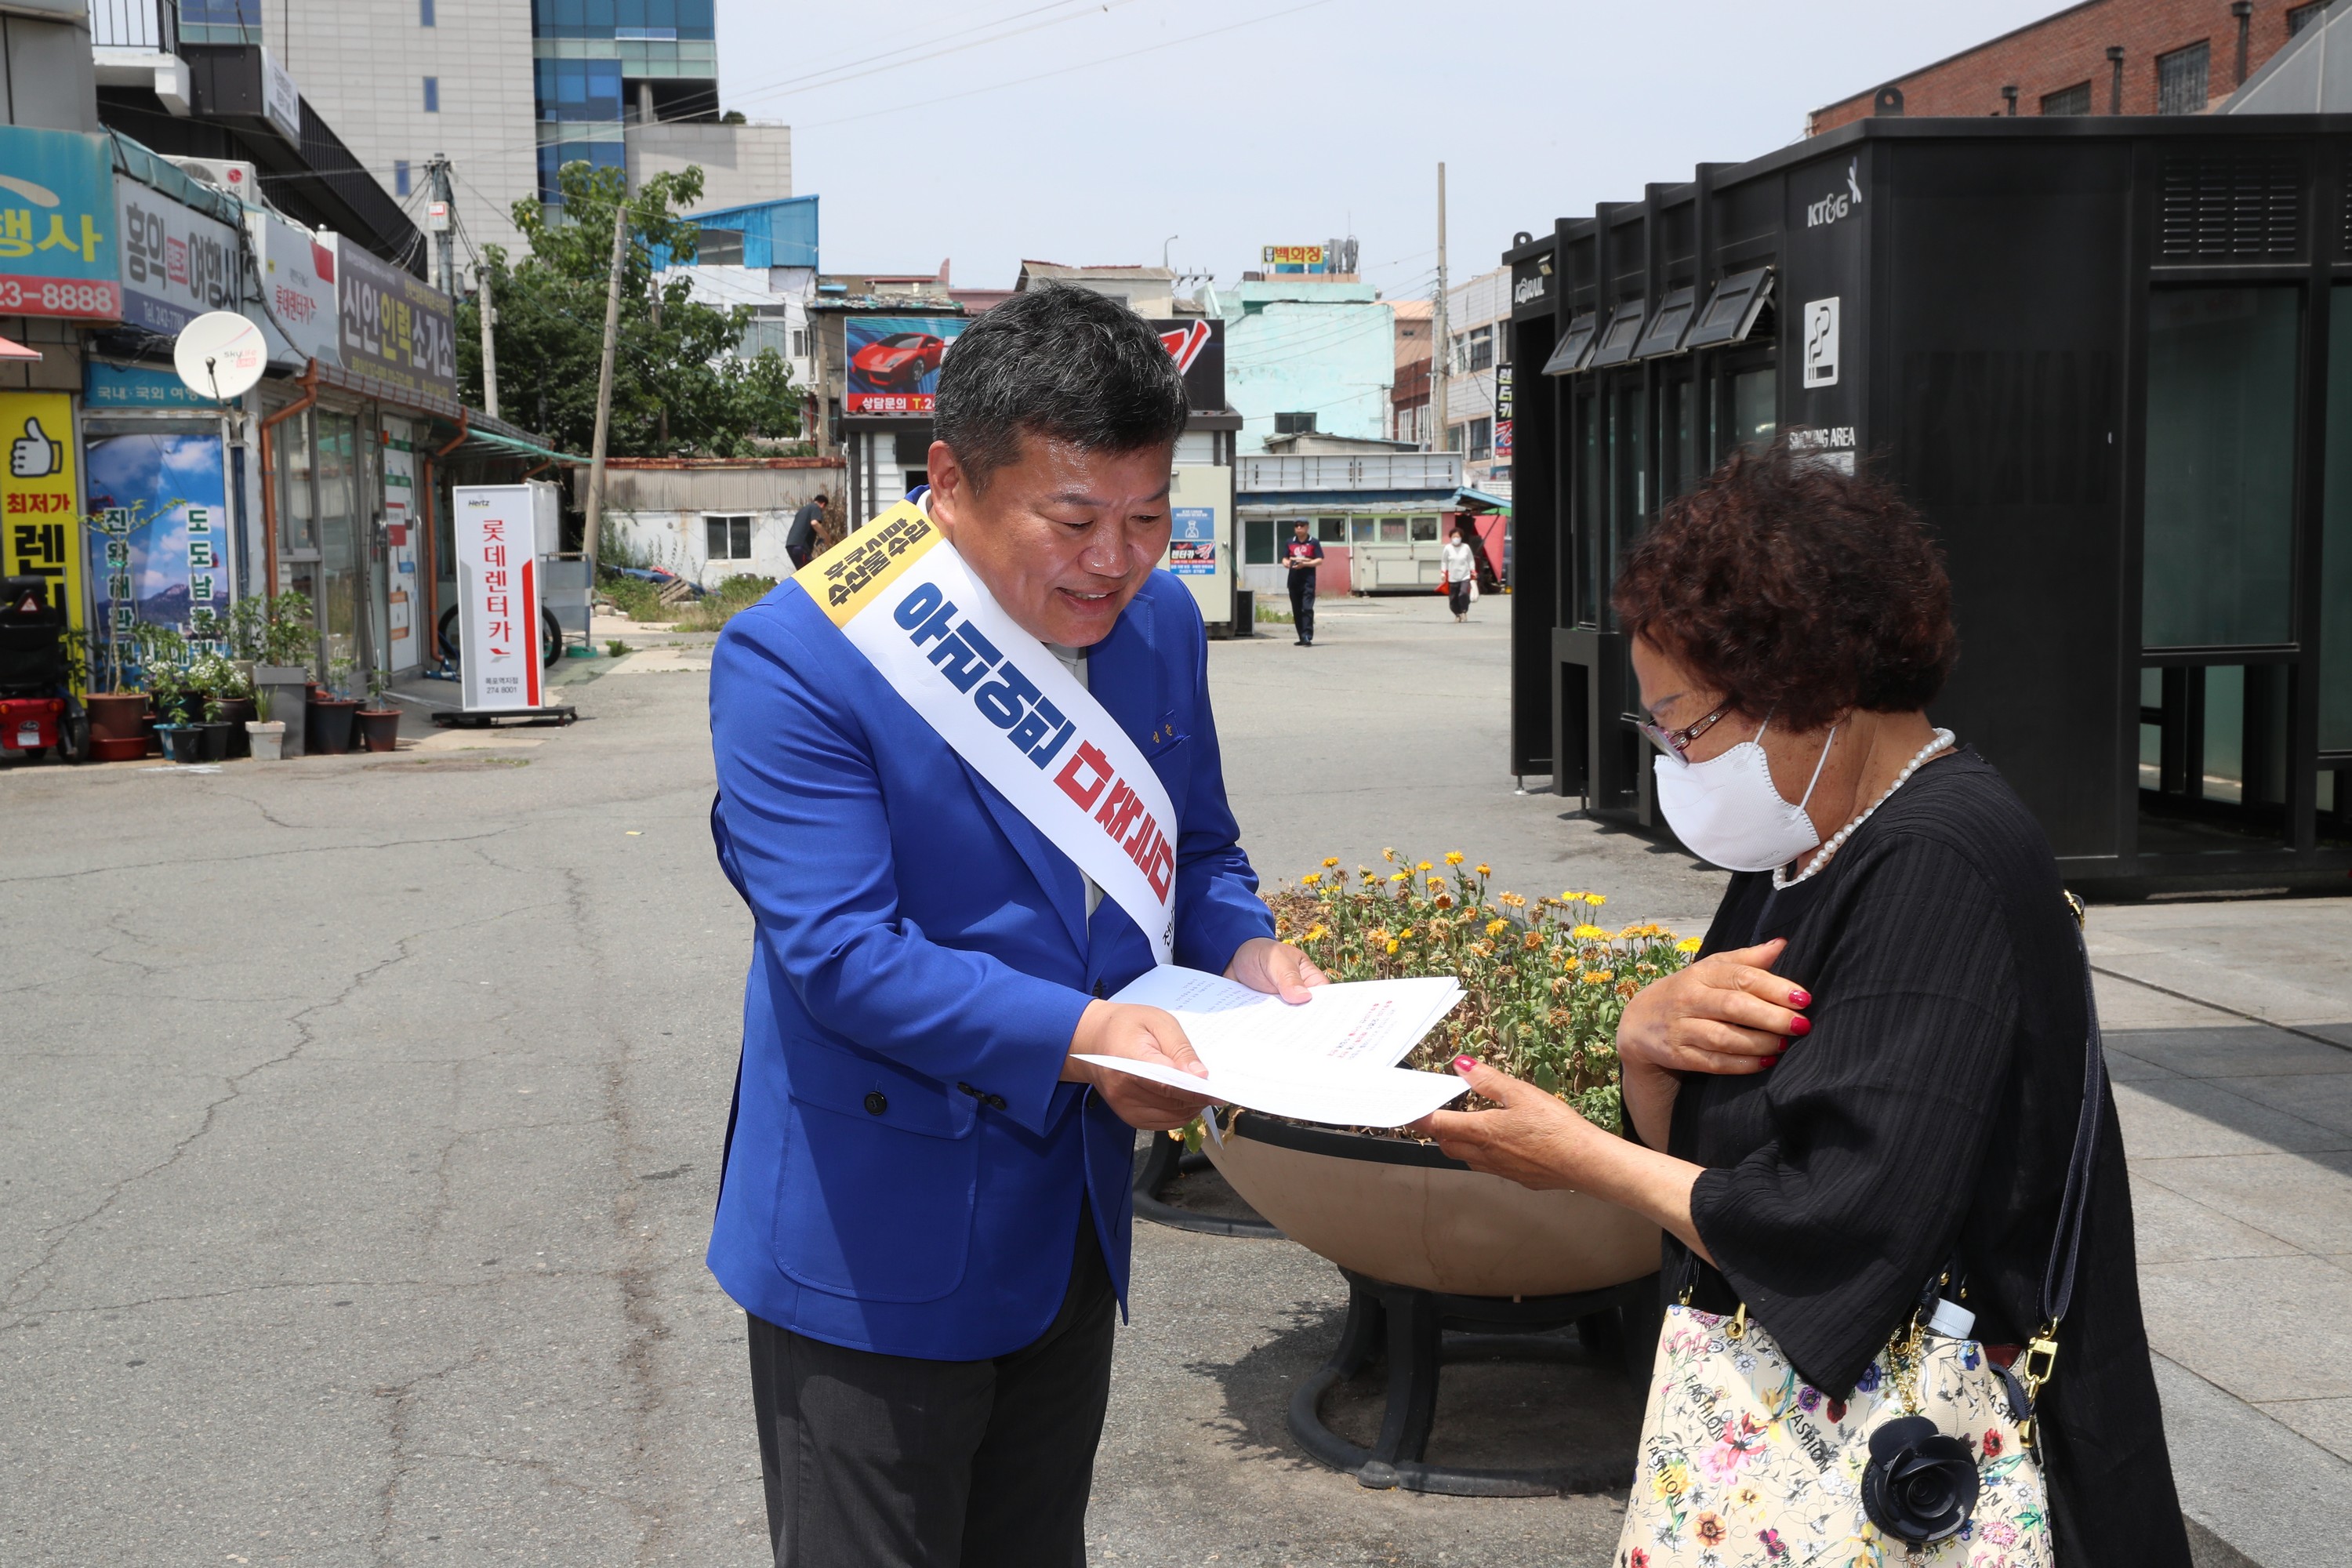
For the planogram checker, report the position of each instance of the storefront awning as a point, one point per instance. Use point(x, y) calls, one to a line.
point(1466, 496)
point(517, 444)
point(12, 349)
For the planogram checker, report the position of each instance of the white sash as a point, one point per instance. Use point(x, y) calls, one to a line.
point(905, 599)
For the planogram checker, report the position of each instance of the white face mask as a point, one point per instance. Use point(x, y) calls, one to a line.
point(1728, 813)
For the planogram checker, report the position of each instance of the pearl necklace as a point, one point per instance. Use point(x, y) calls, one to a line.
point(1782, 881)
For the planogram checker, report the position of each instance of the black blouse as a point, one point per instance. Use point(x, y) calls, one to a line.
point(1932, 1109)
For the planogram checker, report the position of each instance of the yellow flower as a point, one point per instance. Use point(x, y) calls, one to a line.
point(1391, 947)
point(1497, 927)
point(1454, 857)
point(1595, 900)
point(1405, 935)
point(1599, 978)
point(1311, 879)
point(1484, 869)
point(1671, 1481)
point(1589, 934)
point(1437, 884)
point(1532, 940)
point(1483, 949)
point(1688, 944)
point(1423, 867)
point(1329, 861)
point(1389, 855)
point(1315, 933)
point(1512, 901)
point(1399, 876)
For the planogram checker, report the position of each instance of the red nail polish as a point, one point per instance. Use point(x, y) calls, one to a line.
point(1801, 1026)
point(1464, 1064)
point(1800, 999)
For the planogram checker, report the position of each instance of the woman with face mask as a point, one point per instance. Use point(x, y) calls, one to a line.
point(1864, 1095)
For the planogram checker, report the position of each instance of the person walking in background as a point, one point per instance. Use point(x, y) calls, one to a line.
point(1303, 556)
point(802, 544)
point(1458, 570)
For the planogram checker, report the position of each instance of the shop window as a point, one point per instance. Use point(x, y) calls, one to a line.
point(1392, 530)
point(1364, 531)
point(2336, 537)
point(1664, 333)
point(1616, 345)
point(2221, 467)
point(1591, 487)
point(1330, 531)
point(2181, 79)
point(1678, 427)
point(1257, 542)
point(1424, 529)
point(298, 514)
point(1482, 440)
point(1296, 424)
point(1582, 328)
point(2074, 100)
point(1733, 311)
point(719, 248)
point(1755, 407)
point(1479, 351)
point(400, 177)
point(729, 538)
point(1629, 452)
point(432, 95)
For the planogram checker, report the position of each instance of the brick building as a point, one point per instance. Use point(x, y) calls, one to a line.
point(2103, 57)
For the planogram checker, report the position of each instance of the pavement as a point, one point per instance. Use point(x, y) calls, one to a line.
point(359, 1121)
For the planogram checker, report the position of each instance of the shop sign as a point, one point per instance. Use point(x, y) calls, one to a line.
point(394, 327)
point(1198, 345)
point(105, 386)
point(281, 100)
point(1505, 402)
point(298, 288)
point(158, 549)
point(894, 360)
point(1293, 257)
point(498, 596)
point(57, 226)
point(40, 515)
point(1192, 541)
point(177, 264)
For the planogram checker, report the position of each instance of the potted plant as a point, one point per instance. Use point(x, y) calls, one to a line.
point(214, 683)
point(263, 734)
point(164, 666)
point(115, 705)
point(328, 716)
point(281, 633)
point(378, 720)
point(1545, 988)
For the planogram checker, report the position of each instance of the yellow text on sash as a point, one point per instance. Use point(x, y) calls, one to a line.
point(853, 574)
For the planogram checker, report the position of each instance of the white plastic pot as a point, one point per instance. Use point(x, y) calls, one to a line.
point(267, 739)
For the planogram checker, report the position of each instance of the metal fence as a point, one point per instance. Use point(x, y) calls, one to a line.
point(1351, 472)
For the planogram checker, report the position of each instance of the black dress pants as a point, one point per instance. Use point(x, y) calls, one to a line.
point(1302, 605)
point(883, 1461)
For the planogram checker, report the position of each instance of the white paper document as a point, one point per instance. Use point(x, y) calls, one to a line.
point(1331, 1059)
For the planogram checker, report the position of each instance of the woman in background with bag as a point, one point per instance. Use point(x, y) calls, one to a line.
point(1903, 1322)
point(1457, 572)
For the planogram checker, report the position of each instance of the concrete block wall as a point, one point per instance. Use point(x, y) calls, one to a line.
point(740, 163)
point(2071, 47)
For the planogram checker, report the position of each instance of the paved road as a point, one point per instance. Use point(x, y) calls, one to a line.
point(358, 1122)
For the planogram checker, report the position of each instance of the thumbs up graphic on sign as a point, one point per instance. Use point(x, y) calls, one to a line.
point(34, 456)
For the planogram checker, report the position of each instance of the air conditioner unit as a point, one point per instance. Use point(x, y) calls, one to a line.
point(235, 176)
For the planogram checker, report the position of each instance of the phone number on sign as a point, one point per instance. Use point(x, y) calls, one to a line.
point(57, 297)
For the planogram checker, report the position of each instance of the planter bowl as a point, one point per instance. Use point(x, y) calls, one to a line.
point(380, 728)
point(181, 742)
point(1403, 1213)
point(266, 738)
point(328, 725)
point(115, 716)
point(117, 748)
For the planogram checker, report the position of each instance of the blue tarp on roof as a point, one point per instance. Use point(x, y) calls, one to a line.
point(775, 234)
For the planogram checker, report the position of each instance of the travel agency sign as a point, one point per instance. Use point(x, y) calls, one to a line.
point(58, 249)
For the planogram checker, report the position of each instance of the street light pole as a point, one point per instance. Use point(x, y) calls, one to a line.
point(604, 391)
point(1441, 347)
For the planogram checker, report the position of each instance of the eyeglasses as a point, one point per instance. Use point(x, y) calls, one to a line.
point(1674, 743)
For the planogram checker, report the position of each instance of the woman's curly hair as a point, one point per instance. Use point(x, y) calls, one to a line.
point(1795, 589)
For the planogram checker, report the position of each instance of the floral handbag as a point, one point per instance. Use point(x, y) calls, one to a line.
point(1930, 1463)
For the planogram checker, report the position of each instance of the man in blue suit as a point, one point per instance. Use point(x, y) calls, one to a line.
point(925, 1204)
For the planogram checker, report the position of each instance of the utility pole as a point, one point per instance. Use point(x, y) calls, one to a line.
point(605, 389)
point(437, 169)
point(490, 315)
point(1441, 343)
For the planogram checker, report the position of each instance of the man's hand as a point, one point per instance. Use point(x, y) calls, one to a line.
point(1727, 1013)
point(1275, 967)
point(1140, 1034)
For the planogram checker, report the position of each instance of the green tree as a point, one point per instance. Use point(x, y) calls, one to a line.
point(678, 386)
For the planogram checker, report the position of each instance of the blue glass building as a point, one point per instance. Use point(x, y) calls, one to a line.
point(605, 64)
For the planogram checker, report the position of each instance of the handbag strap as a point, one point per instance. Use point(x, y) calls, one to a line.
point(2041, 1355)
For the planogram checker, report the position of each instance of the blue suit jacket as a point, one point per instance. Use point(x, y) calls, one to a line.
point(905, 1169)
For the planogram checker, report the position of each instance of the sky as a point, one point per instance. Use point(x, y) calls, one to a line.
point(1092, 130)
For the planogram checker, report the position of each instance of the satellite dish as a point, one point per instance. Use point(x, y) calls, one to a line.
point(220, 355)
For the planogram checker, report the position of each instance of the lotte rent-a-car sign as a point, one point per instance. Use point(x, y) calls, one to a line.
point(498, 596)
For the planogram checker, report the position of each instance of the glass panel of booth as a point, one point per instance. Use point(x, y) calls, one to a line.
point(2219, 514)
point(1591, 506)
point(2213, 755)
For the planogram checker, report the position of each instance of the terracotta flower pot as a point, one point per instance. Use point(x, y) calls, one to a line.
point(115, 715)
point(380, 728)
point(1403, 1213)
point(117, 748)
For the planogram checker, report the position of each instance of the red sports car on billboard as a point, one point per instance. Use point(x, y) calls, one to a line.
point(901, 360)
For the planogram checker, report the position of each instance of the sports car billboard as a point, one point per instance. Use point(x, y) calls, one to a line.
point(894, 362)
